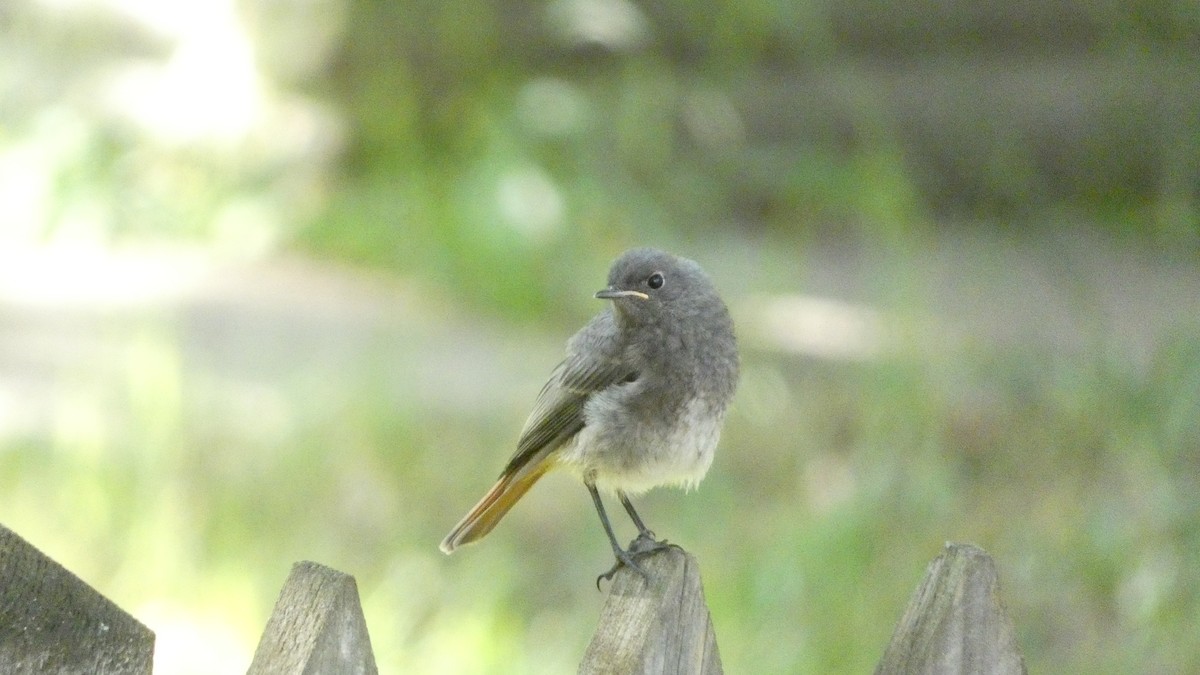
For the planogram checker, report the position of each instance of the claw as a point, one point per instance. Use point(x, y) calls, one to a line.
point(625, 559)
point(640, 547)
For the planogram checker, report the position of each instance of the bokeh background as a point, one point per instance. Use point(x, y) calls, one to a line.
point(280, 280)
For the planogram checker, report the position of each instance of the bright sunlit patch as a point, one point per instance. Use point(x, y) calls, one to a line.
point(614, 24)
point(529, 202)
point(208, 90)
point(30, 167)
point(186, 643)
point(246, 228)
point(14, 417)
point(94, 278)
point(818, 327)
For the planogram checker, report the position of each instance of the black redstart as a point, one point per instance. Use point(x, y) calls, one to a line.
point(637, 403)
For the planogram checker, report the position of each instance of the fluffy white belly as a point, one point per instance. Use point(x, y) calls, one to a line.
point(632, 458)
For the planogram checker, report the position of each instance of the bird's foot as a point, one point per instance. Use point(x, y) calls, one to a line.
point(644, 545)
point(624, 559)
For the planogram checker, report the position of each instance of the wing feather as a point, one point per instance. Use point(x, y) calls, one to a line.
point(593, 363)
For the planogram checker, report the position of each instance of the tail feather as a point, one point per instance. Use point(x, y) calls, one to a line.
point(483, 516)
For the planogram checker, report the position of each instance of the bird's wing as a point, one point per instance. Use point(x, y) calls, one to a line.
point(558, 412)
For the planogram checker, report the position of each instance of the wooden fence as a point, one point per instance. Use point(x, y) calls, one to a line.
point(52, 622)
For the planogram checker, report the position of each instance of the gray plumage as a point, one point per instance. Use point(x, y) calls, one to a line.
point(639, 399)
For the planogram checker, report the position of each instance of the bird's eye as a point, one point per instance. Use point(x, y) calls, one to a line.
point(656, 281)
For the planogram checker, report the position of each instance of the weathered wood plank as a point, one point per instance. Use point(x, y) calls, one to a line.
point(317, 627)
point(955, 622)
point(53, 622)
point(660, 628)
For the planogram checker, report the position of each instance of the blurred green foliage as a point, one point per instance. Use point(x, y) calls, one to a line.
point(1079, 477)
point(493, 156)
point(844, 120)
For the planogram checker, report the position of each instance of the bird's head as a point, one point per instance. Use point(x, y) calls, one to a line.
point(645, 284)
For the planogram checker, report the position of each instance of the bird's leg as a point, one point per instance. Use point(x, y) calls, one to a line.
point(643, 531)
point(623, 556)
point(646, 542)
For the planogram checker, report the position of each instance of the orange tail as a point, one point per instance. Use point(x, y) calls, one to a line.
point(483, 517)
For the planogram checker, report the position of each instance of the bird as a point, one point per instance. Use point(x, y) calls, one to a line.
point(638, 402)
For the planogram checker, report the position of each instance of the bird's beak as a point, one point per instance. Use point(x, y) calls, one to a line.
point(612, 293)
